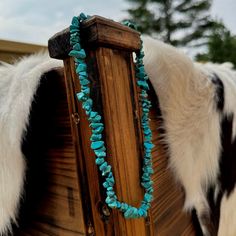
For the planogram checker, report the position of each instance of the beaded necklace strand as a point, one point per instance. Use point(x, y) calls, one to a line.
point(97, 143)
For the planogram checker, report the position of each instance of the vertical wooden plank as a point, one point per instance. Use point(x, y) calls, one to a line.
point(122, 142)
point(86, 159)
point(111, 73)
point(166, 210)
point(52, 203)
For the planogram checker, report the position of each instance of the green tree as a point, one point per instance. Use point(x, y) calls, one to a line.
point(221, 46)
point(178, 22)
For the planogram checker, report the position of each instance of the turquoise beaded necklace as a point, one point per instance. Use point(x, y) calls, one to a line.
point(97, 143)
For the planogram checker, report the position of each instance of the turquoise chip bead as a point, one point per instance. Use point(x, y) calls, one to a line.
point(102, 149)
point(87, 103)
point(148, 169)
point(150, 190)
point(73, 29)
point(147, 161)
point(82, 16)
point(118, 204)
point(113, 204)
point(81, 54)
point(146, 110)
point(147, 184)
point(73, 53)
point(110, 200)
point(93, 114)
point(141, 55)
point(148, 197)
point(81, 96)
point(143, 84)
point(82, 67)
point(97, 118)
point(103, 166)
point(72, 42)
point(148, 151)
point(86, 90)
point(87, 112)
point(110, 175)
point(110, 189)
point(144, 206)
point(147, 131)
point(110, 193)
point(144, 94)
point(75, 21)
point(75, 35)
point(110, 181)
point(106, 170)
point(96, 125)
point(98, 130)
point(84, 81)
point(78, 54)
point(142, 212)
point(148, 145)
point(140, 75)
point(97, 144)
point(78, 60)
point(100, 153)
point(106, 185)
point(146, 178)
point(146, 175)
point(77, 47)
point(148, 155)
point(83, 73)
point(129, 212)
point(141, 69)
point(99, 161)
point(124, 206)
point(96, 137)
point(87, 107)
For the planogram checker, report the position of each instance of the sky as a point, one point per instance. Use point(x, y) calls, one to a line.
point(35, 21)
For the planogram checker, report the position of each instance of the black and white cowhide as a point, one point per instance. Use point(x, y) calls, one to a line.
point(198, 104)
point(18, 85)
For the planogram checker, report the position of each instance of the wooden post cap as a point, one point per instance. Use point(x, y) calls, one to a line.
point(96, 31)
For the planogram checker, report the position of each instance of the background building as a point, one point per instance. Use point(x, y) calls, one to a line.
point(10, 50)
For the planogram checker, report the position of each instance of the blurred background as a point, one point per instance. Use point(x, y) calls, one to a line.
point(204, 29)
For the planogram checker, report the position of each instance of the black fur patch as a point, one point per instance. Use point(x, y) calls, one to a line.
point(219, 95)
point(214, 205)
point(196, 223)
point(227, 176)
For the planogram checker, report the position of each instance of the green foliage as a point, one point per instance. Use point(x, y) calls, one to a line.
point(221, 46)
point(178, 22)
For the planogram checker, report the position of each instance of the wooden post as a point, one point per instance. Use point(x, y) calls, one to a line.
point(109, 48)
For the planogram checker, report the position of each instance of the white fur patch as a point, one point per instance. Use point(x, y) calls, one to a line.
point(192, 122)
point(18, 84)
point(228, 215)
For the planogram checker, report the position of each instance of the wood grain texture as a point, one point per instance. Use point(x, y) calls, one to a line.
point(114, 97)
point(10, 51)
point(167, 215)
point(52, 203)
point(64, 193)
point(96, 31)
point(121, 133)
